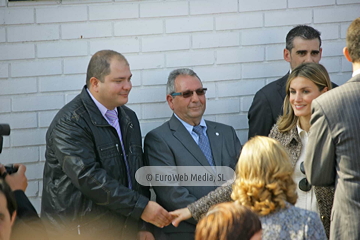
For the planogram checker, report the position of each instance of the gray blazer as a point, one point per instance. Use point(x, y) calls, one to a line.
point(333, 154)
point(172, 145)
point(266, 107)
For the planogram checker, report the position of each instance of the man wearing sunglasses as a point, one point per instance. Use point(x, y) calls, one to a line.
point(188, 140)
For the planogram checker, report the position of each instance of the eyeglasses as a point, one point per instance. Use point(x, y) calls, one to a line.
point(188, 93)
point(304, 185)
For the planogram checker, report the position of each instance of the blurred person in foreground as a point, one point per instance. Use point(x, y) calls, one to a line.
point(229, 221)
point(7, 210)
point(263, 183)
point(333, 152)
point(28, 225)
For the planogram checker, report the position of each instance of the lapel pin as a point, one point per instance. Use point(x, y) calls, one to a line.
point(217, 134)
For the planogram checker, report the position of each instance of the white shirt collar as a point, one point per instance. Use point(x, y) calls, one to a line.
point(101, 107)
point(302, 133)
point(356, 72)
point(189, 127)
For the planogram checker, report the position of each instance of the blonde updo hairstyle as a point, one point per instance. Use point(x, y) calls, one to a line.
point(264, 176)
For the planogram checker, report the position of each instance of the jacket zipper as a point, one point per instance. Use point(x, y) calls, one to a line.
point(129, 125)
point(107, 148)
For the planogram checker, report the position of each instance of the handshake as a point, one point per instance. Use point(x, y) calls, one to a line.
point(158, 216)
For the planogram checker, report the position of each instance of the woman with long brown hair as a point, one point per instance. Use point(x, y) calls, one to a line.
point(305, 83)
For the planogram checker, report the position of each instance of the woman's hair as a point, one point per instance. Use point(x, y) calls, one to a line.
point(314, 72)
point(228, 221)
point(264, 176)
point(10, 199)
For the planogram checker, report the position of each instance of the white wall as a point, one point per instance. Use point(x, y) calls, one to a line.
point(235, 46)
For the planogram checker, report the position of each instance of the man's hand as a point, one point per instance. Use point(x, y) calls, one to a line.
point(18, 180)
point(145, 235)
point(156, 214)
point(180, 215)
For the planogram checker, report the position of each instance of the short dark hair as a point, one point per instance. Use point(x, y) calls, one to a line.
point(10, 199)
point(303, 31)
point(99, 65)
point(353, 40)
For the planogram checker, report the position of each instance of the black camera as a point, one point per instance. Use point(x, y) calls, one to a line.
point(10, 169)
point(4, 131)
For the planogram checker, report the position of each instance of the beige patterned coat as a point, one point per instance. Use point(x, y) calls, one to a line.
point(324, 195)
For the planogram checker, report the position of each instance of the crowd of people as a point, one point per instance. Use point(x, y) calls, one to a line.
point(297, 177)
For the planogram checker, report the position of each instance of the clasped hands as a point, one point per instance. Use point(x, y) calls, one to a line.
point(157, 215)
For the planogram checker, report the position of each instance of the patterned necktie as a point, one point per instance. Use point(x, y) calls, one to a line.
point(114, 121)
point(204, 145)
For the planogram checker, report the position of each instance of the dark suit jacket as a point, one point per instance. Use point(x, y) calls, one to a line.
point(172, 145)
point(267, 107)
point(333, 154)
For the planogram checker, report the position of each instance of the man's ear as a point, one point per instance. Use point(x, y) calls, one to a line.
point(94, 84)
point(170, 100)
point(347, 54)
point(287, 55)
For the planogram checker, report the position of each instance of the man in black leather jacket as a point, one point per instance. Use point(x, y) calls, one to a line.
point(89, 189)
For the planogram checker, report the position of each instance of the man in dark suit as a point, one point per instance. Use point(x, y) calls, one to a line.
point(303, 44)
point(175, 143)
point(333, 152)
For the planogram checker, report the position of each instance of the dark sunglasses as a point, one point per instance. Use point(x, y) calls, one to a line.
point(304, 185)
point(188, 93)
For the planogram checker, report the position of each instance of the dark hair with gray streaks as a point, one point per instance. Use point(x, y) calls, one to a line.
point(170, 86)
